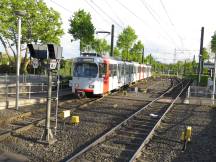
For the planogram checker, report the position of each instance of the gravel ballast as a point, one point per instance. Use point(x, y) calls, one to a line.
point(166, 145)
point(96, 119)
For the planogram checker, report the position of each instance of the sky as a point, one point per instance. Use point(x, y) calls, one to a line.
point(169, 29)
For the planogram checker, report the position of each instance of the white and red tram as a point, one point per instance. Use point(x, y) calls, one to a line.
point(99, 75)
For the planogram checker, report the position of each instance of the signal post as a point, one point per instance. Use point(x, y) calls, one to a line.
point(39, 52)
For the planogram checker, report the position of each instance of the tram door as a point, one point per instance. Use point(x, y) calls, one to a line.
point(106, 77)
point(119, 67)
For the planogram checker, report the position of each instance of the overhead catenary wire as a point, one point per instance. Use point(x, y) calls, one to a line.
point(61, 6)
point(106, 14)
point(98, 13)
point(171, 22)
point(157, 21)
point(119, 19)
point(165, 10)
point(142, 20)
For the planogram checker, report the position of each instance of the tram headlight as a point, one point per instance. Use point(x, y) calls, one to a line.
point(91, 86)
point(76, 85)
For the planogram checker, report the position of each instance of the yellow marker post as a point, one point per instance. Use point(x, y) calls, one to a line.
point(188, 133)
point(186, 136)
point(125, 93)
point(182, 136)
point(75, 120)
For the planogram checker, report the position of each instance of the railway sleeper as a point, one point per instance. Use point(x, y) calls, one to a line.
point(116, 158)
point(115, 152)
point(131, 132)
point(130, 143)
point(140, 128)
point(118, 147)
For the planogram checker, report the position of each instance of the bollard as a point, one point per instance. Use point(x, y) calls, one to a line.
point(6, 96)
point(42, 87)
point(188, 94)
point(29, 91)
point(125, 93)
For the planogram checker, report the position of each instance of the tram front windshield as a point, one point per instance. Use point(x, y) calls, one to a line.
point(86, 70)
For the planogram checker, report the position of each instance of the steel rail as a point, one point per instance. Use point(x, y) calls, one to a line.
point(103, 137)
point(147, 139)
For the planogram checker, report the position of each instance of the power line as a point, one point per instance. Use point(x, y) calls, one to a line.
point(61, 6)
point(96, 11)
point(145, 5)
point(141, 19)
point(107, 14)
point(114, 12)
point(171, 22)
point(165, 10)
point(151, 13)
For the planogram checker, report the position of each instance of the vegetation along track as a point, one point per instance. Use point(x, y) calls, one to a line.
point(124, 141)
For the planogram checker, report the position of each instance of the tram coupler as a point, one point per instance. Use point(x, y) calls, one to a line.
point(80, 94)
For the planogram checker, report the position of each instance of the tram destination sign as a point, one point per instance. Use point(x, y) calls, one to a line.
point(85, 59)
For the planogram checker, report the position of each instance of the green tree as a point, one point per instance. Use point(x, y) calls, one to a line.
point(82, 28)
point(213, 43)
point(116, 52)
point(40, 25)
point(205, 55)
point(101, 46)
point(126, 40)
point(137, 51)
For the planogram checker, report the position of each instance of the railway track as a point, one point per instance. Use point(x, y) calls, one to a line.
point(27, 120)
point(97, 116)
point(124, 141)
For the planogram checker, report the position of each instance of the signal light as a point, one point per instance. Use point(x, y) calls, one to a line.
point(37, 51)
point(55, 52)
point(40, 51)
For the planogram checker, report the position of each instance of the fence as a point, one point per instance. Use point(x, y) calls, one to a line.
point(5, 78)
point(29, 90)
point(196, 91)
point(200, 96)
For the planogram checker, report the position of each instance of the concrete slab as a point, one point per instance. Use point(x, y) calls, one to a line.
point(12, 157)
point(199, 101)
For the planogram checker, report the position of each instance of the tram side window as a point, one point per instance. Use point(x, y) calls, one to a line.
point(131, 69)
point(102, 69)
point(113, 69)
point(126, 69)
point(122, 69)
point(119, 69)
point(110, 69)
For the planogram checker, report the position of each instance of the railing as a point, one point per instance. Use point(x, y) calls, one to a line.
point(30, 78)
point(196, 91)
point(29, 90)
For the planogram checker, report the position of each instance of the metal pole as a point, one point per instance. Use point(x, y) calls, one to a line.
point(143, 56)
point(200, 55)
point(57, 97)
point(213, 92)
point(112, 41)
point(18, 63)
point(47, 137)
